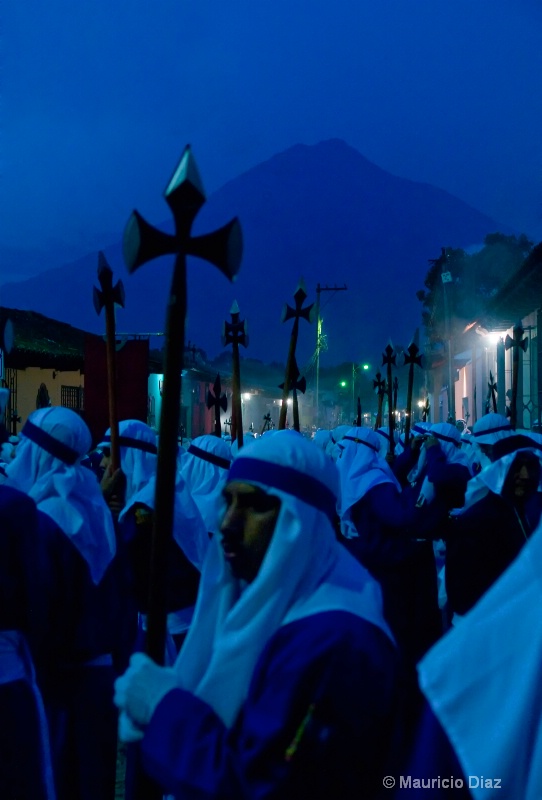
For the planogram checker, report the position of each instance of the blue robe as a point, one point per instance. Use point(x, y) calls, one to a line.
point(22, 609)
point(321, 719)
point(75, 671)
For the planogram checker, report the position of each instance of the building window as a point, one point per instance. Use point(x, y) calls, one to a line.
point(72, 397)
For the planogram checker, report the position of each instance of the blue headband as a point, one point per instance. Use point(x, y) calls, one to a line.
point(493, 430)
point(49, 443)
point(444, 438)
point(210, 457)
point(285, 479)
point(136, 444)
point(361, 441)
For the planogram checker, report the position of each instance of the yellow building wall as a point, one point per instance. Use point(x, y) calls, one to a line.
point(28, 384)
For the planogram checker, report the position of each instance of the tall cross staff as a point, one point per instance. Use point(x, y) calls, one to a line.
point(142, 242)
point(266, 423)
point(413, 358)
point(296, 384)
point(516, 343)
point(380, 387)
point(491, 393)
point(388, 360)
point(106, 298)
point(296, 314)
point(217, 401)
point(358, 415)
point(235, 333)
point(426, 408)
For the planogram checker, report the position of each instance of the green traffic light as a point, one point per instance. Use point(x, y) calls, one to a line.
point(343, 383)
point(366, 366)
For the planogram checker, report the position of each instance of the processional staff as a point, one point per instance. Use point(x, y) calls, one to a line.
point(380, 387)
point(491, 394)
point(217, 401)
point(142, 242)
point(106, 298)
point(516, 343)
point(296, 314)
point(388, 359)
point(426, 408)
point(413, 358)
point(236, 333)
point(296, 384)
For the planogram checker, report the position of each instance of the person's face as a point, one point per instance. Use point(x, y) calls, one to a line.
point(487, 451)
point(526, 475)
point(106, 459)
point(247, 527)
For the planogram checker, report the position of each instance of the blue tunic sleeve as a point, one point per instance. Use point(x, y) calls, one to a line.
point(319, 720)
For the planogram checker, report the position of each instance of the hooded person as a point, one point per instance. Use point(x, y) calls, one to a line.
point(487, 432)
point(76, 675)
point(383, 530)
point(444, 469)
point(204, 469)
point(138, 460)
point(54, 442)
point(321, 438)
point(332, 448)
point(287, 684)
point(404, 466)
point(25, 757)
point(482, 685)
point(503, 506)
point(361, 467)
point(384, 438)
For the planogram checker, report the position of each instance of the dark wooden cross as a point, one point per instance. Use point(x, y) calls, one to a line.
point(358, 416)
point(236, 333)
point(296, 385)
point(296, 314)
point(388, 360)
point(217, 401)
point(107, 298)
point(491, 400)
point(517, 343)
point(185, 196)
point(191, 348)
point(413, 358)
point(426, 408)
point(380, 387)
point(267, 423)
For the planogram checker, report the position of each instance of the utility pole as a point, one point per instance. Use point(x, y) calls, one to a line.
point(320, 289)
point(446, 278)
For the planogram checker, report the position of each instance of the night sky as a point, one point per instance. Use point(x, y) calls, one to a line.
point(99, 98)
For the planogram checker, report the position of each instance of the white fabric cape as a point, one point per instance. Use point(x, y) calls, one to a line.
point(305, 571)
point(483, 682)
point(68, 493)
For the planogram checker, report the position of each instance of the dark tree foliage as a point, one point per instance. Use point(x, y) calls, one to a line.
point(475, 279)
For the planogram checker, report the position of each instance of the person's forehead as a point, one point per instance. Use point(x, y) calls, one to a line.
point(241, 487)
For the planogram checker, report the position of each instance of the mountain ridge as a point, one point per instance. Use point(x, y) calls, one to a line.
point(324, 212)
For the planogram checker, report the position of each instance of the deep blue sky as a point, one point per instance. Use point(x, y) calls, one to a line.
point(99, 97)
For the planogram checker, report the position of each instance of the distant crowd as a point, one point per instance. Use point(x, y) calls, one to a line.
point(345, 619)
